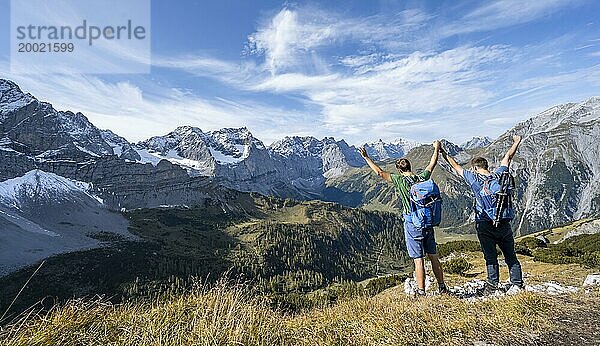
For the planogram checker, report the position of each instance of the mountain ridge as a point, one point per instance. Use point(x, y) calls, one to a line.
point(189, 164)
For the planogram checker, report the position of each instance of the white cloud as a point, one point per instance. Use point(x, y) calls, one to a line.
point(418, 83)
point(504, 13)
point(287, 39)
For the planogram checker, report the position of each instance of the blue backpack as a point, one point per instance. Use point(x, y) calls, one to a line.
point(495, 197)
point(426, 203)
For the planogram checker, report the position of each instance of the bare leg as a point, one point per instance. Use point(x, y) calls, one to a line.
point(437, 268)
point(420, 272)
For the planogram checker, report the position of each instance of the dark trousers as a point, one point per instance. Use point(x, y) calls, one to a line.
point(490, 236)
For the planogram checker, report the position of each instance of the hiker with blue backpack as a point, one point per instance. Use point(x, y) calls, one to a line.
point(421, 209)
point(493, 214)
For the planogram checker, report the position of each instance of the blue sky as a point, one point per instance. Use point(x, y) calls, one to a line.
point(358, 70)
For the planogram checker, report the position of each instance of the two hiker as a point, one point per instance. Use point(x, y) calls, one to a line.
point(420, 242)
point(491, 229)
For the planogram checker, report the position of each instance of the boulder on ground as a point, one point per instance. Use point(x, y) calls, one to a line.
point(592, 280)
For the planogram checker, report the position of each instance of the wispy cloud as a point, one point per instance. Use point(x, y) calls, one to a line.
point(127, 110)
point(293, 35)
point(418, 83)
point(512, 96)
point(504, 13)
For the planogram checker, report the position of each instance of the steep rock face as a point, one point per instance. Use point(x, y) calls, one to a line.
point(37, 129)
point(33, 135)
point(311, 158)
point(558, 165)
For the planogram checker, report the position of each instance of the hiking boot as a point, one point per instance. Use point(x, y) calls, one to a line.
point(515, 289)
point(488, 290)
point(443, 289)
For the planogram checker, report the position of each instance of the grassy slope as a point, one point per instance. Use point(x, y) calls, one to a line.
point(225, 315)
point(558, 233)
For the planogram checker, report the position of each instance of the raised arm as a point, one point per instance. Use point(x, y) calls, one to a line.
point(380, 172)
point(434, 158)
point(511, 152)
point(457, 168)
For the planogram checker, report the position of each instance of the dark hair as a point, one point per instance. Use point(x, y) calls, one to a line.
point(479, 162)
point(403, 165)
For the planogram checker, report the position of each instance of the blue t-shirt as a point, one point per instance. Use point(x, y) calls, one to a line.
point(475, 181)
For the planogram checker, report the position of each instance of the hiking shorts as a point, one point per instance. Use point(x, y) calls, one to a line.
point(418, 241)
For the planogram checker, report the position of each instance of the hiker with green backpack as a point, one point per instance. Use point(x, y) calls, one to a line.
point(421, 209)
point(493, 214)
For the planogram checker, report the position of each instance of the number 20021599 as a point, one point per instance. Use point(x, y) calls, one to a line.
point(57, 47)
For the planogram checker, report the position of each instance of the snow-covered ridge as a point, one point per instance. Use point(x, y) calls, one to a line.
point(38, 184)
point(299, 146)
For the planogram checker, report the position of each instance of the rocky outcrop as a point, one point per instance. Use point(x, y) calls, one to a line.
point(557, 166)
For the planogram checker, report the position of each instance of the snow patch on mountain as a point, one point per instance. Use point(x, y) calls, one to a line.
point(200, 151)
point(37, 184)
point(120, 146)
point(195, 167)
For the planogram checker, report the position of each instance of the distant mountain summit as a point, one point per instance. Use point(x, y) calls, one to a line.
point(477, 142)
point(43, 214)
point(381, 150)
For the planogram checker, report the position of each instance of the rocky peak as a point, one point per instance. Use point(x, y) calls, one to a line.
point(36, 185)
point(451, 148)
point(299, 146)
point(476, 142)
point(382, 150)
point(12, 98)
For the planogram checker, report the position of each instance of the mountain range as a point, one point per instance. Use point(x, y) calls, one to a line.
point(557, 168)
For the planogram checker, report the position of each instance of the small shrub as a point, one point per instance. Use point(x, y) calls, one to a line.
point(457, 265)
point(527, 246)
point(381, 284)
point(521, 249)
point(458, 246)
point(591, 260)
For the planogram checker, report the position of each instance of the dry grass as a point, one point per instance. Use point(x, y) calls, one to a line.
point(534, 272)
point(558, 233)
point(230, 316)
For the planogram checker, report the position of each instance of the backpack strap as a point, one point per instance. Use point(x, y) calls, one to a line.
point(487, 180)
